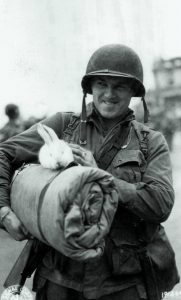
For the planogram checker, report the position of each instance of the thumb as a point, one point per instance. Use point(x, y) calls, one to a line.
point(24, 230)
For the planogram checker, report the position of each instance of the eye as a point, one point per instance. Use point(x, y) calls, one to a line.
point(122, 87)
point(101, 83)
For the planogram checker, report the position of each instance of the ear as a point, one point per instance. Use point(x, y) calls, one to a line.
point(47, 133)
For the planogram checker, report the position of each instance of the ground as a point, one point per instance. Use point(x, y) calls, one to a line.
point(173, 224)
point(10, 249)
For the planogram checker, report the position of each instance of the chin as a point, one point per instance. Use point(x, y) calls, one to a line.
point(108, 115)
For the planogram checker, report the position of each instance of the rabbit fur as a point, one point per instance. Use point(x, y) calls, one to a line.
point(55, 153)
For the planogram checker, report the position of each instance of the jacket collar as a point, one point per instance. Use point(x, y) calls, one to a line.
point(94, 115)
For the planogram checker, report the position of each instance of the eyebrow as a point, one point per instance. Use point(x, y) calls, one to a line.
point(117, 83)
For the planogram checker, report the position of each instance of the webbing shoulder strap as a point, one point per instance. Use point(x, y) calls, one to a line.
point(70, 123)
point(142, 133)
point(106, 155)
point(66, 119)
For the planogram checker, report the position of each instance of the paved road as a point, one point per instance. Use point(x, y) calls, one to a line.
point(173, 224)
point(10, 249)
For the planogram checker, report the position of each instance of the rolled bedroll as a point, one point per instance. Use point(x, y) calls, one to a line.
point(70, 210)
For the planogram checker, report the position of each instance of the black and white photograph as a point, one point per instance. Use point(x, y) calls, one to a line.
point(90, 150)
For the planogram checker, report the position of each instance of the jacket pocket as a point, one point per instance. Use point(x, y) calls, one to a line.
point(122, 259)
point(129, 165)
point(163, 260)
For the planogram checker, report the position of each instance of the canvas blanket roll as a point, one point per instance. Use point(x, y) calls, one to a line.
point(72, 210)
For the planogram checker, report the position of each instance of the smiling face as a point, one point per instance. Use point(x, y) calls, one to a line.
point(111, 95)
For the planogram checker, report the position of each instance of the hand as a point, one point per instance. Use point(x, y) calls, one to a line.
point(13, 225)
point(82, 156)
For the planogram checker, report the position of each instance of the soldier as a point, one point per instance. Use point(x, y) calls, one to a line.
point(139, 160)
point(14, 124)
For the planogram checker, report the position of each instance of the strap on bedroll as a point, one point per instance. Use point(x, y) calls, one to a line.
point(32, 253)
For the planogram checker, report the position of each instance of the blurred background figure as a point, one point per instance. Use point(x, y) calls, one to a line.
point(169, 125)
point(14, 125)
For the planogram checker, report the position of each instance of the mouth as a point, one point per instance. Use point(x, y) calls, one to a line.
point(110, 102)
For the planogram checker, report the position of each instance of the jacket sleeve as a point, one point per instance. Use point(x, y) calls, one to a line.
point(20, 149)
point(153, 198)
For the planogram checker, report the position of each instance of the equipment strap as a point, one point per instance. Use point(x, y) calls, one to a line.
point(41, 198)
point(117, 141)
point(142, 135)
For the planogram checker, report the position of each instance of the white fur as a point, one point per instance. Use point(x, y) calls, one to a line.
point(55, 153)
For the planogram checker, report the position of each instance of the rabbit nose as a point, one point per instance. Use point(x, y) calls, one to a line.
point(58, 165)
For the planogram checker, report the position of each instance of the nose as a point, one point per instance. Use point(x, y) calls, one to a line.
point(109, 93)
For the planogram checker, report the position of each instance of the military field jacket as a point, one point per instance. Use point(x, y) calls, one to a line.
point(145, 194)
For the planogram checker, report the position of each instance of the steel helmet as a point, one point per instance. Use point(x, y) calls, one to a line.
point(115, 60)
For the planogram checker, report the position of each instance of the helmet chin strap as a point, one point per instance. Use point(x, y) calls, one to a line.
point(83, 129)
point(146, 111)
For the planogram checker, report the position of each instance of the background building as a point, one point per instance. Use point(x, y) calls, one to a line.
point(164, 101)
point(167, 74)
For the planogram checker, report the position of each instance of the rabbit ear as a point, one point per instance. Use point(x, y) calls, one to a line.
point(47, 133)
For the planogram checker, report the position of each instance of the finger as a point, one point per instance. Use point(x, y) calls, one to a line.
point(21, 237)
point(79, 160)
point(78, 152)
point(76, 147)
point(28, 236)
point(18, 236)
point(24, 231)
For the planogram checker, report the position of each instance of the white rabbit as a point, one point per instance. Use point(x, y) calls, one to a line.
point(55, 153)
